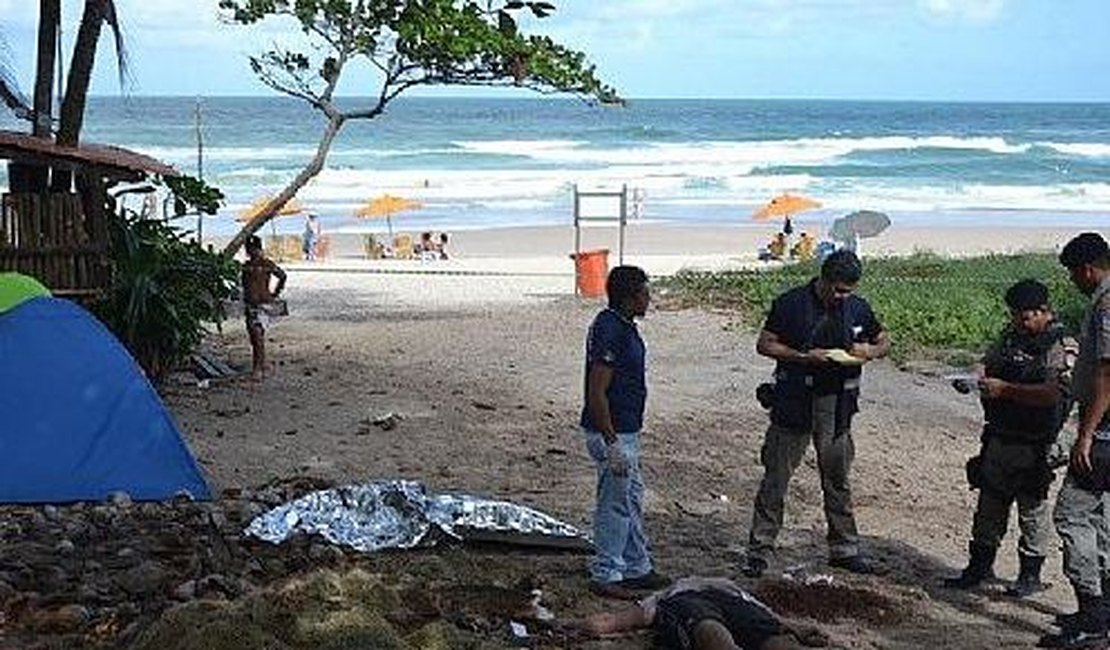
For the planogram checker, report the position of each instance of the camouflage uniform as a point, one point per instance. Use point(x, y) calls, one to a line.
point(1080, 513)
point(1012, 465)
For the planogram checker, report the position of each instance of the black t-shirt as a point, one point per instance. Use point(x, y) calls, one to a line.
point(614, 341)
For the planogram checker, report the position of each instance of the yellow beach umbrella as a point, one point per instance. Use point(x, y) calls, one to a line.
point(386, 206)
point(785, 205)
point(292, 206)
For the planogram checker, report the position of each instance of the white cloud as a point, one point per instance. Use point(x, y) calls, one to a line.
point(974, 11)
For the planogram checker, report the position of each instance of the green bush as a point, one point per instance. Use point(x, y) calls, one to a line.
point(164, 290)
point(930, 304)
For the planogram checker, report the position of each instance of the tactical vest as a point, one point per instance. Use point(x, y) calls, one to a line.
point(1022, 359)
point(796, 385)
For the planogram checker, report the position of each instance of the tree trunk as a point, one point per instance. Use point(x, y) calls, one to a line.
point(23, 177)
point(335, 123)
point(77, 85)
point(80, 73)
point(50, 17)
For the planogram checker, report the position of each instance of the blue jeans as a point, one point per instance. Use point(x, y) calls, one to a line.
point(622, 549)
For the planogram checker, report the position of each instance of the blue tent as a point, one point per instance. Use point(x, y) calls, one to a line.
point(78, 419)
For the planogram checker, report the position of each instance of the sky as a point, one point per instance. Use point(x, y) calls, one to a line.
point(945, 50)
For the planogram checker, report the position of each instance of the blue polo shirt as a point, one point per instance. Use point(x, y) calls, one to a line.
point(613, 340)
point(802, 321)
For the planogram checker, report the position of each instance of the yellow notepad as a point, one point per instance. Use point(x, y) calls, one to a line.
point(842, 357)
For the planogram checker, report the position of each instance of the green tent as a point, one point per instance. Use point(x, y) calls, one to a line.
point(16, 288)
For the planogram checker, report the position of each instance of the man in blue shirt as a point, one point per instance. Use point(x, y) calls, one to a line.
point(612, 417)
point(816, 393)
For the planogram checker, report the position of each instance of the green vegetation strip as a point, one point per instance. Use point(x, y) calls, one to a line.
point(933, 306)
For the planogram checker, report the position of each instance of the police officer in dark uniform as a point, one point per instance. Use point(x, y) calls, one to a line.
point(814, 398)
point(1025, 392)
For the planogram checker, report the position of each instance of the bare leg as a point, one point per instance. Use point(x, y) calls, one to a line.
point(258, 351)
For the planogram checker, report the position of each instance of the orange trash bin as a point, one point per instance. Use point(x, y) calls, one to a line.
point(591, 268)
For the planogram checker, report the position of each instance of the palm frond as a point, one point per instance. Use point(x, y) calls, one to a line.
point(10, 94)
point(123, 66)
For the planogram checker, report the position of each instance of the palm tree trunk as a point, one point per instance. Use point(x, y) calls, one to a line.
point(80, 73)
point(24, 177)
point(50, 17)
point(77, 85)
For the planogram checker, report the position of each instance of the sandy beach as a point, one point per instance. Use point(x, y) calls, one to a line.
point(481, 355)
point(537, 259)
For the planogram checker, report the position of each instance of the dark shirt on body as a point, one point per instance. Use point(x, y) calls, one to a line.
point(800, 320)
point(613, 340)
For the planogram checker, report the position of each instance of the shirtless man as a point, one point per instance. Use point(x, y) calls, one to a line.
point(257, 271)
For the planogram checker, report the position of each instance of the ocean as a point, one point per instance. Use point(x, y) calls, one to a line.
point(478, 163)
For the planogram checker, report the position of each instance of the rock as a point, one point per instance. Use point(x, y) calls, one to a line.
point(87, 593)
point(186, 591)
point(61, 620)
point(217, 586)
point(147, 578)
point(6, 591)
point(127, 610)
point(274, 566)
point(51, 512)
point(51, 579)
point(126, 552)
point(218, 519)
point(64, 547)
point(120, 499)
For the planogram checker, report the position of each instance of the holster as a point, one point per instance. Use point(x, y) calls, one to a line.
point(974, 470)
point(793, 403)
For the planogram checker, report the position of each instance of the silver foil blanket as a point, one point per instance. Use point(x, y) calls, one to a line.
point(401, 514)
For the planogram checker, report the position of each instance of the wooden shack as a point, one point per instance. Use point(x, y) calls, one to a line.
point(56, 236)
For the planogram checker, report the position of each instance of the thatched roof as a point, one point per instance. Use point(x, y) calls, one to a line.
point(113, 161)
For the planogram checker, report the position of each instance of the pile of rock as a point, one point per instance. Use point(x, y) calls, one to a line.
point(94, 575)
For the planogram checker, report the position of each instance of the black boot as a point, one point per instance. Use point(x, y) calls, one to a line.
point(1068, 620)
point(980, 567)
point(1029, 577)
point(1087, 631)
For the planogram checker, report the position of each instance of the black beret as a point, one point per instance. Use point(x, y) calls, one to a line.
point(1027, 294)
point(1086, 248)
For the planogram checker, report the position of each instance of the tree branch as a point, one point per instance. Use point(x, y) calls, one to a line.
point(311, 170)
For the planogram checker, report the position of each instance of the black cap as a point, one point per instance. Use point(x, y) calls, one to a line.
point(1027, 294)
point(1086, 248)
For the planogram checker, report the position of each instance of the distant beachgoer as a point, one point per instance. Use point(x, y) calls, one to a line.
point(310, 237)
point(257, 299)
point(777, 247)
point(706, 614)
point(427, 249)
point(442, 245)
point(804, 249)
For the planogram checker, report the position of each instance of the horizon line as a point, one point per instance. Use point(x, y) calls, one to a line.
point(569, 98)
